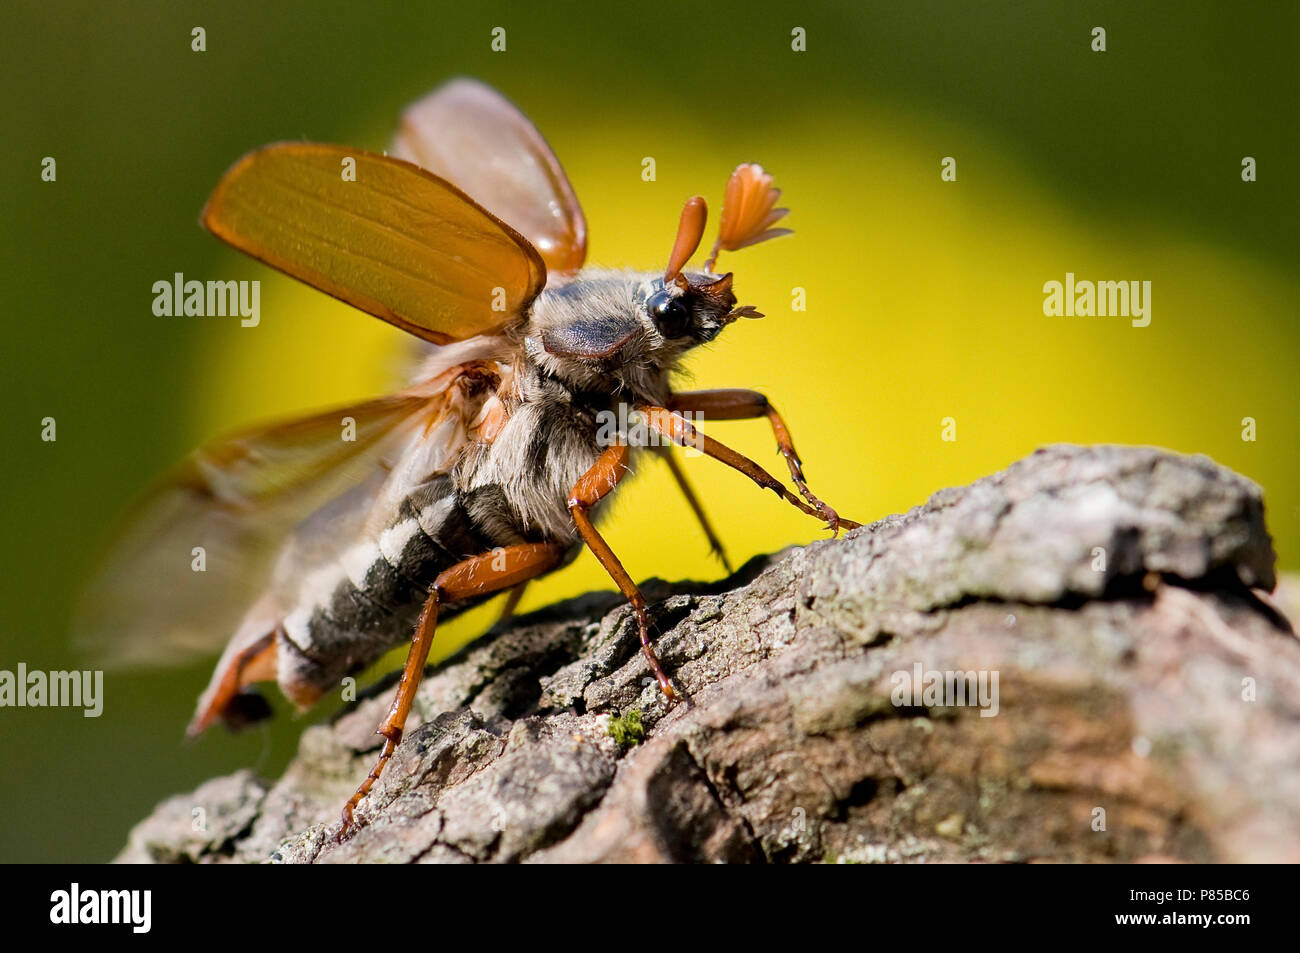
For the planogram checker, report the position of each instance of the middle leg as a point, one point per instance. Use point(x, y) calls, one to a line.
point(683, 484)
point(610, 467)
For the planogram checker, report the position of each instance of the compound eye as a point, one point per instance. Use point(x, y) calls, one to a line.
point(670, 314)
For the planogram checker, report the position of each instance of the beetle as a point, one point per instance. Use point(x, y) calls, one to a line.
point(490, 468)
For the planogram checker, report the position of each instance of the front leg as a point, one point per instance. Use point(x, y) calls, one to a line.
point(734, 404)
point(680, 431)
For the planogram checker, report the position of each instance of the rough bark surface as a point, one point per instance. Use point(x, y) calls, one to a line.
point(1148, 702)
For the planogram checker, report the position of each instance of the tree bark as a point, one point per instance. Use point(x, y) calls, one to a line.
point(1146, 704)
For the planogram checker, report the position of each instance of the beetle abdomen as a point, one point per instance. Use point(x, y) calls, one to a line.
point(366, 601)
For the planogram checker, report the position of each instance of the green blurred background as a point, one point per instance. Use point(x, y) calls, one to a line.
point(924, 297)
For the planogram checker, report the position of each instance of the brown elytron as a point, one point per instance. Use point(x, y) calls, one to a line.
point(330, 540)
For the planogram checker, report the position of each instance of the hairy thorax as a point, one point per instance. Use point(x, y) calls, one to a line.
point(518, 485)
point(552, 412)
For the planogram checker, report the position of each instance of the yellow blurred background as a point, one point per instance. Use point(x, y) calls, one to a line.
point(924, 297)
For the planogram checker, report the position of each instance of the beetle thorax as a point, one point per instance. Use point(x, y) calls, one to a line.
point(622, 332)
point(589, 333)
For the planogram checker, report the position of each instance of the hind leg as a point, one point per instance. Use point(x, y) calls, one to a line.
point(477, 576)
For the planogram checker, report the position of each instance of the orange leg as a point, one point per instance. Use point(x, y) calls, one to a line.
point(255, 662)
point(715, 544)
point(595, 484)
point(747, 405)
point(680, 431)
point(480, 575)
point(511, 604)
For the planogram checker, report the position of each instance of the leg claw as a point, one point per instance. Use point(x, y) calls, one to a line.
point(347, 828)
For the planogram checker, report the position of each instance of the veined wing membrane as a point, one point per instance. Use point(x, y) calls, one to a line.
point(198, 549)
point(398, 242)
